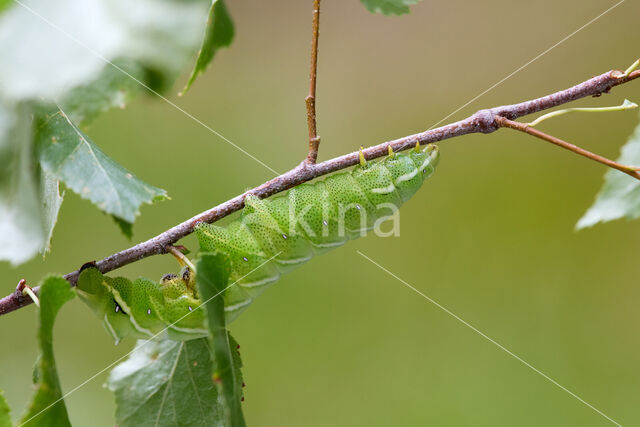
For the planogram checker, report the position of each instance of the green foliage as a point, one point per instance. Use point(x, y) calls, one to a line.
point(620, 195)
point(47, 407)
point(389, 7)
point(85, 67)
point(167, 383)
point(5, 418)
point(66, 153)
point(219, 33)
point(212, 280)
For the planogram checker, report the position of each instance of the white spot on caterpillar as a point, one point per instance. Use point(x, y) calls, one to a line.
point(117, 308)
point(149, 311)
point(190, 309)
point(358, 207)
point(245, 258)
point(407, 176)
point(324, 221)
point(385, 190)
point(284, 236)
point(119, 301)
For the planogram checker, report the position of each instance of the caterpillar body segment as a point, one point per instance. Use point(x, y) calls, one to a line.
point(275, 235)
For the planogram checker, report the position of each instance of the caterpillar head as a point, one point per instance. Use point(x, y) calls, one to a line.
point(176, 285)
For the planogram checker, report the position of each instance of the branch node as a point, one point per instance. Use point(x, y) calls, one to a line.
point(314, 144)
point(485, 121)
point(21, 285)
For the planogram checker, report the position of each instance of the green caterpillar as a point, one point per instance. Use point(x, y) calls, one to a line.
point(271, 237)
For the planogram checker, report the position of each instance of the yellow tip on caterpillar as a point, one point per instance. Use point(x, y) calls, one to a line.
point(391, 153)
point(417, 146)
point(430, 147)
point(363, 161)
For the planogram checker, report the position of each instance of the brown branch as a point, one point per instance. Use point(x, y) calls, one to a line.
point(310, 100)
point(483, 121)
point(523, 127)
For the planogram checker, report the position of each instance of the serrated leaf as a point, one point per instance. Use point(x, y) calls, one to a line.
point(21, 230)
point(237, 367)
point(620, 195)
point(47, 406)
point(5, 417)
point(166, 383)
point(212, 278)
point(70, 156)
point(389, 7)
point(218, 34)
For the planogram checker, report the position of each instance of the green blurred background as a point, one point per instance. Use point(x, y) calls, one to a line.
point(490, 237)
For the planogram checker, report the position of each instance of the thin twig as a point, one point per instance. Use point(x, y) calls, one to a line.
point(483, 121)
point(632, 68)
point(626, 105)
point(310, 100)
point(526, 128)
